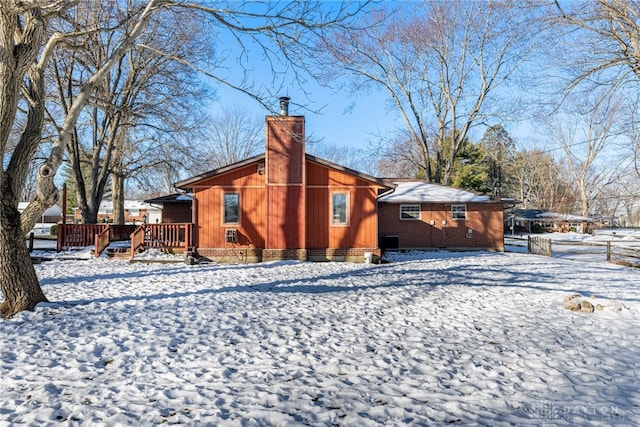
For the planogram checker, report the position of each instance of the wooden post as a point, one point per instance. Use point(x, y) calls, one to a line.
point(528, 244)
point(549, 251)
point(608, 251)
point(60, 239)
point(64, 202)
point(31, 236)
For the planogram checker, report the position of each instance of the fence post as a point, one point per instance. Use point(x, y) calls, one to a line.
point(528, 244)
point(608, 251)
point(60, 239)
point(549, 251)
point(31, 237)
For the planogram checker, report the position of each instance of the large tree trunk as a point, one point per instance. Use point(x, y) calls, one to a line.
point(18, 279)
point(22, 31)
point(117, 194)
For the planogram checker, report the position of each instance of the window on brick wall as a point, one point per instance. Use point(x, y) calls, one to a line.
point(410, 212)
point(458, 211)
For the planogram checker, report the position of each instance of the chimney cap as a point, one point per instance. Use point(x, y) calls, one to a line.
point(284, 105)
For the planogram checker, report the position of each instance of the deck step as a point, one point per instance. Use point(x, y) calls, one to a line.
point(119, 252)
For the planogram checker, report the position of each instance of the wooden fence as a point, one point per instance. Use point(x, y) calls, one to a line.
point(623, 255)
point(615, 251)
point(539, 246)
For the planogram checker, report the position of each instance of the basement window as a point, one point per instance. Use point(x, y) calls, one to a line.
point(339, 208)
point(231, 208)
point(459, 212)
point(409, 212)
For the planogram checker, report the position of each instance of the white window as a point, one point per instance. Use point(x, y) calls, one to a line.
point(231, 208)
point(459, 211)
point(340, 208)
point(410, 212)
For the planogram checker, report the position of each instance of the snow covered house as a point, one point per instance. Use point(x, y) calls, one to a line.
point(286, 204)
point(51, 215)
point(135, 211)
point(422, 215)
point(528, 220)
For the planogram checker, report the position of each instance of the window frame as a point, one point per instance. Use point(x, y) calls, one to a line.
point(332, 218)
point(458, 209)
point(410, 217)
point(224, 208)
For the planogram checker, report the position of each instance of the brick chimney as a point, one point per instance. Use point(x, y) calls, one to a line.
point(285, 185)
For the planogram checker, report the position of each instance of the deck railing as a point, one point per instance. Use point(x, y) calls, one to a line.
point(137, 240)
point(165, 236)
point(101, 241)
point(78, 235)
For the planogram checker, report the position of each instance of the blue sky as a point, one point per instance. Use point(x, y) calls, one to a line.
point(341, 120)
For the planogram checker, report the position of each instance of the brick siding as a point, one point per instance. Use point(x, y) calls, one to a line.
point(437, 229)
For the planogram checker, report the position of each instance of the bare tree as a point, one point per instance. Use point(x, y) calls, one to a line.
point(604, 40)
point(441, 63)
point(25, 56)
point(540, 182)
point(144, 94)
point(585, 130)
point(230, 136)
point(25, 53)
point(632, 130)
point(401, 156)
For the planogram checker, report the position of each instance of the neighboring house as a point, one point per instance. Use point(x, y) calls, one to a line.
point(525, 220)
point(420, 215)
point(52, 215)
point(286, 204)
point(135, 212)
point(174, 208)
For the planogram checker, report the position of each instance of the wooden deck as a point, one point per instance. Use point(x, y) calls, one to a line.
point(168, 237)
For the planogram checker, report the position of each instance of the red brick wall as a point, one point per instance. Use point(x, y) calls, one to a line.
point(437, 229)
point(341, 254)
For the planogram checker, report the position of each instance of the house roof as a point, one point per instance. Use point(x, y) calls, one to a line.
point(184, 184)
point(107, 205)
point(427, 192)
point(54, 210)
point(171, 198)
point(541, 215)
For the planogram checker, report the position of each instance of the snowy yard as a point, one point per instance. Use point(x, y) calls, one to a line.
point(429, 339)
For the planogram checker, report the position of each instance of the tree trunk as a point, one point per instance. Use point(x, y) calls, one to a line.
point(18, 279)
point(117, 195)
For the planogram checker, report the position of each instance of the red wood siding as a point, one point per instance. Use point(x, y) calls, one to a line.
point(208, 196)
point(285, 149)
point(176, 212)
point(285, 217)
point(361, 231)
point(285, 163)
point(485, 220)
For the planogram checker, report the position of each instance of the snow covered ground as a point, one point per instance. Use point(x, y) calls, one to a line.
point(429, 339)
